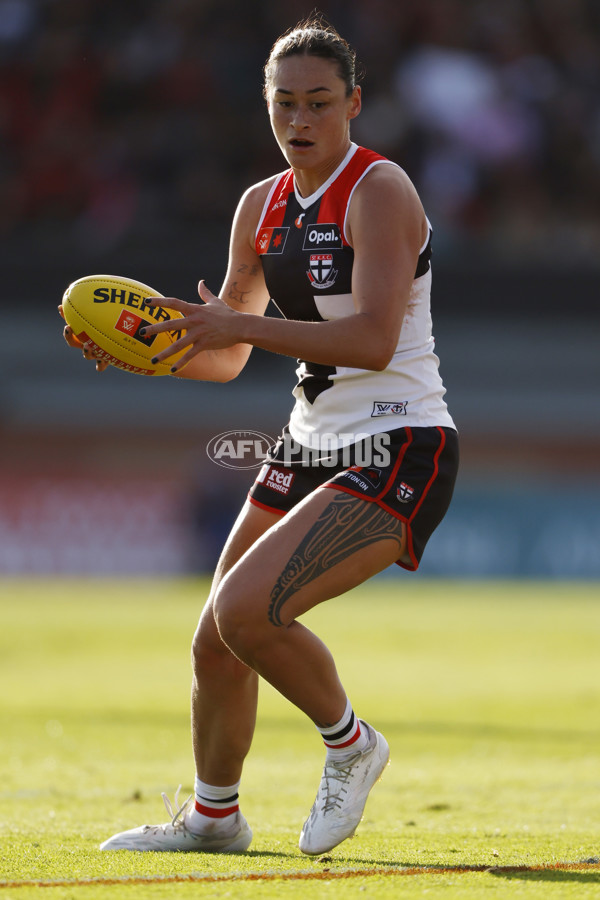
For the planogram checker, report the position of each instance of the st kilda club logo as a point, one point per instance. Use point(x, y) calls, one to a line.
point(321, 273)
point(404, 492)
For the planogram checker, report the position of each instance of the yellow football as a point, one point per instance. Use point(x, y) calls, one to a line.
point(108, 312)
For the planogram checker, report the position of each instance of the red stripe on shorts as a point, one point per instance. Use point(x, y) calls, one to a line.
point(436, 469)
point(398, 463)
point(271, 509)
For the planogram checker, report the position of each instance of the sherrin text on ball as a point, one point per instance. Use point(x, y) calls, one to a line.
point(108, 312)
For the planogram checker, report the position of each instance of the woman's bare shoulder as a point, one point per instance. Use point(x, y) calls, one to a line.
point(254, 198)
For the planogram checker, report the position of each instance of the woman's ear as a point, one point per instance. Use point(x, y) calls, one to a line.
point(355, 102)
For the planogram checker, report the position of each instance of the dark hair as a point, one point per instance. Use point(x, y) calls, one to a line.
point(315, 37)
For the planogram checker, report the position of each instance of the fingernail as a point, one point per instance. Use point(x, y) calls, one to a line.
point(173, 369)
point(142, 331)
point(154, 360)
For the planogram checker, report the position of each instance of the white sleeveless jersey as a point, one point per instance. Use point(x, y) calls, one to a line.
point(307, 261)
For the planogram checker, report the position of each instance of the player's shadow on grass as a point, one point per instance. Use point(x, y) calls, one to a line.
point(552, 875)
point(508, 872)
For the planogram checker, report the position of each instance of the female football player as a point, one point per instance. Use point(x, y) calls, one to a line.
point(362, 473)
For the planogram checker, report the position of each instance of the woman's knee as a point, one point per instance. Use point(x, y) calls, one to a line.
point(209, 652)
point(237, 618)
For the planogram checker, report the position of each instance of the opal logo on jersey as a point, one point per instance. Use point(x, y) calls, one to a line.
point(239, 449)
point(387, 408)
point(323, 236)
point(321, 273)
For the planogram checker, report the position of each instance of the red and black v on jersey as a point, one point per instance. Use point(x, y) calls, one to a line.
point(301, 241)
point(305, 253)
point(307, 263)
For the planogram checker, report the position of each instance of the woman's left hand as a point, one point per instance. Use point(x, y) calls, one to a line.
point(210, 326)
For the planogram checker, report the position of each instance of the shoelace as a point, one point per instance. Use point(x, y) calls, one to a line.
point(340, 772)
point(177, 815)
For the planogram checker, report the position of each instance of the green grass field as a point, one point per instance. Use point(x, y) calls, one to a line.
point(488, 693)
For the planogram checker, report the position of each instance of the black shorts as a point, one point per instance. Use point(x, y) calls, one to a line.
point(410, 472)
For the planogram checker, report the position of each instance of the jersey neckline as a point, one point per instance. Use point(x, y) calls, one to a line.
point(305, 202)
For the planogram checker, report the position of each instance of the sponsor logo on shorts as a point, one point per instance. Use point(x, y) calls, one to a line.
point(276, 479)
point(351, 476)
point(129, 323)
point(321, 273)
point(369, 472)
point(239, 449)
point(387, 408)
point(374, 476)
point(272, 240)
point(404, 492)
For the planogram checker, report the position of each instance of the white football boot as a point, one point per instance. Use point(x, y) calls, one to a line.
point(342, 795)
point(174, 835)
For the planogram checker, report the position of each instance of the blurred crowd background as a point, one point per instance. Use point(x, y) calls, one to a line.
point(128, 132)
point(128, 122)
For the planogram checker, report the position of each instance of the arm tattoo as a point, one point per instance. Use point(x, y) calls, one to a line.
point(345, 526)
point(236, 294)
point(245, 269)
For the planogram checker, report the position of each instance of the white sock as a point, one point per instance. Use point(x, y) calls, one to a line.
point(215, 808)
point(346, 737)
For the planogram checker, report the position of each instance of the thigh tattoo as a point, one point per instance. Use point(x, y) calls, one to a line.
point(345, 526)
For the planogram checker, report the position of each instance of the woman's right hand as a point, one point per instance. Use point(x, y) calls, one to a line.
point(73, 341)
